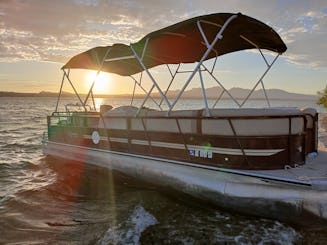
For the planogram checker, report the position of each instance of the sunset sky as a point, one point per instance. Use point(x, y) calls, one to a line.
point(37, 37)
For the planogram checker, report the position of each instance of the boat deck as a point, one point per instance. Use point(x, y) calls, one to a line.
point(314, 172)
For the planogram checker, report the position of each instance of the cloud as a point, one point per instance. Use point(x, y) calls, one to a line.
point(306, 40)
point(56, 30)
point(38, 29)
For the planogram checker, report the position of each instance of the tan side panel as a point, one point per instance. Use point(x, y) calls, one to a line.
point(162, 125)
point(103, 122)
point(257, 127)
point(216, 127)
point(136, 124)
point(252, 127)
point(113, 123)
point(188, 125)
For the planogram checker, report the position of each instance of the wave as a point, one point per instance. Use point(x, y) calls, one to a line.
point(129, 232)
point(276, 233)
point(197, 223)
point(23, 179)
point(23, 146)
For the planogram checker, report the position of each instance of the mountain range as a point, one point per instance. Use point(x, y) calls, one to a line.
point(241, 93)
point(194, 93)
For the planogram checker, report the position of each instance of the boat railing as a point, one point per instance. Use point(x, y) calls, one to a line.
point(73, 107)
point(156, 126)
point(76, 118)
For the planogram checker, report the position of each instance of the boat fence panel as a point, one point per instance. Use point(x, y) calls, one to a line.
point(162, 125)
point(113, 123)
point(216, 127)
point(188, 126)
point(267, 126)
point(137, 124)
point(214, 141)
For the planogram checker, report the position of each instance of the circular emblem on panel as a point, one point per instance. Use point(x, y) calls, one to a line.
point(95, 137)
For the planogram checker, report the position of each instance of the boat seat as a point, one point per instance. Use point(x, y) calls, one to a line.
point(253, 121)
point(105, 108)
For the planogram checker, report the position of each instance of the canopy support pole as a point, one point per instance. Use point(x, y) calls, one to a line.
point(173, 75)
point(204, 94)
point(263, 85)
point(146, 98)
point(217, 100)
point(264, 74)
point(98, 72)
point(214, 64)
point(79, 98)
point(265, 92)
point(144, 90)
point(92, 96)
point(134, 87)
point(220, 84)
point(91, 88)
point(60, 91)
point(150, 76)
point(209, 49)
point(260, 81)
point(203, 34)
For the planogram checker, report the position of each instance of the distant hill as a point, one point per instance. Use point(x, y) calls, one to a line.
point(241, 93)
point(196, 93)
point(41, 94)
point(63, 94)
point(274, 94)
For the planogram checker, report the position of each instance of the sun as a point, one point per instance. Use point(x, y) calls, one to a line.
point(102, 82)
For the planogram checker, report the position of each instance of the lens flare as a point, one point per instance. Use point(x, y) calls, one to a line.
point(102, 82)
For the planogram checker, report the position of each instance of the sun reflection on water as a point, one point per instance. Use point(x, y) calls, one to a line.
point(98, 102)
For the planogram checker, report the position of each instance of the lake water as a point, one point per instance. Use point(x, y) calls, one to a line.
point(48, 201)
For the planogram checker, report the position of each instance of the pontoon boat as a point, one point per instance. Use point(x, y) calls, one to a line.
point(261, 161)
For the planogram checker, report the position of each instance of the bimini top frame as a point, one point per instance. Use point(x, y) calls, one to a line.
point(192, 41)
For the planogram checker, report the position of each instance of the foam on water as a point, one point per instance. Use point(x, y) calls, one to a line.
point(277, 233)
point(197, 223)
point(129, 232)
